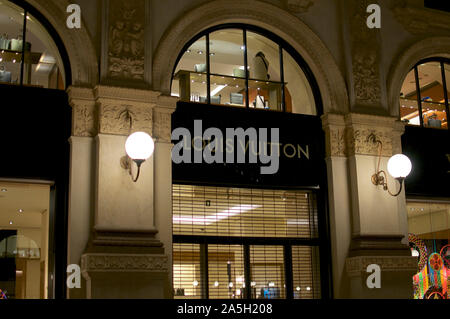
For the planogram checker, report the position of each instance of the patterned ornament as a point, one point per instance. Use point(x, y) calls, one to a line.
point(419, 245)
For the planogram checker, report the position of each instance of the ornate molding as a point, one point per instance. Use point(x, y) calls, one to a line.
point(419, 20)
point(299, 6)
point(365, 56)
point(348, 135)
point(126, 39)
point(356, 266)
point(122, 119)
point(84, 116)
point(124, 263)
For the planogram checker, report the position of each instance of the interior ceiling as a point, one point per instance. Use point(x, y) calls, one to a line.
point(419, 209)
point(11, 24)
point(428, 73)
point(33, 199)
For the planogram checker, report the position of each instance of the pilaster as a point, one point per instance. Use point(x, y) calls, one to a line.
point(125, 255)
point(366, 222)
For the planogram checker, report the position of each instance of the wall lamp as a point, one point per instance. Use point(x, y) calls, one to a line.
point(139, 147)
point(399, 166)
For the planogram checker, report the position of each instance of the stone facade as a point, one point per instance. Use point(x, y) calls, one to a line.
point(122, 61)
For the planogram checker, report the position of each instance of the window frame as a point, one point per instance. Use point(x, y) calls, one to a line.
point(442, 61)
point(29, 9)
point(282, 45)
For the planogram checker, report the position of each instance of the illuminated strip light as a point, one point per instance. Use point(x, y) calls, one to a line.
point(297, 222)
point(217, 89)
point(208, 220)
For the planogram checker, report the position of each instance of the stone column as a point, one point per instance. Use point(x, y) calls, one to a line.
point(368, 225)
point(124, 257)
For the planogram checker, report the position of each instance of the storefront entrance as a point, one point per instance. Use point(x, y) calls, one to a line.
point(232, 243)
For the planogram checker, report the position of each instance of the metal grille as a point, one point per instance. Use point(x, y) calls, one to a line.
point(221, 211)
point(305, 268)
point(231, 228)
point(267, 269)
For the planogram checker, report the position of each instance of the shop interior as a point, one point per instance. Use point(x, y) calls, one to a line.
point(24, 237)
point(41, 65)
point(267, 64)
point(432, 95)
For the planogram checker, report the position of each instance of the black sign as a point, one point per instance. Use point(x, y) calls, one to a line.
point(300, 147)
point(429, 152)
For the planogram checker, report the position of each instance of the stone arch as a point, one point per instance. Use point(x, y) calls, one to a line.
point(78, 42)
point(328, 76)
point(426, 48)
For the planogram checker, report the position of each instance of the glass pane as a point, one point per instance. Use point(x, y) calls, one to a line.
point(305, 272)
point(227, 90)
point(226, 48)
point(43, 64)
point(265, 95)
point(298, 93)
point(432, 95)
point(189, 82)
point(409, 108)
point(24, 235)
point(226, 272)
point(263, 58)
point(267, 272)
point(187, 282)
point(11, 31)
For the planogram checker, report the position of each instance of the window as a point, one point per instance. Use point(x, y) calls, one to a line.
point(424, 98)
point(244, 67)
point(30, 57)
point(233, 243)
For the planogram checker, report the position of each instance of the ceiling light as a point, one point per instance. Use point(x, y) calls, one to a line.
point(209, 219)
point(188, 51)
point(195, 283)
point(242, 47)
point(308, 288)
point(4, 190)
point(10, 222)
point(298, 288)
point(20, 210)
point(212, 54)
point(200, 52)
point(216, 284)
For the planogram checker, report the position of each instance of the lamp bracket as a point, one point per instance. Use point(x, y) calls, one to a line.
point(126, 163)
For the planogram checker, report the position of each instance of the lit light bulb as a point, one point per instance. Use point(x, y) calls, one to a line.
point(399, 166)
point(139, 146)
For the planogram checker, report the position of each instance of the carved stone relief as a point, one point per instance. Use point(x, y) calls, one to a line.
point(122, 262)
point(84, 120)
point(355, 266)
point(349, 135)
point(365, 56)
point(124, 119)
point(126, 39)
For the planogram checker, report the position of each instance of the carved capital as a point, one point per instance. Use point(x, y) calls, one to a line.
point(357, 266)
point(349, 135)
point(123, 263)
point(84, 116)
point(123, 111)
